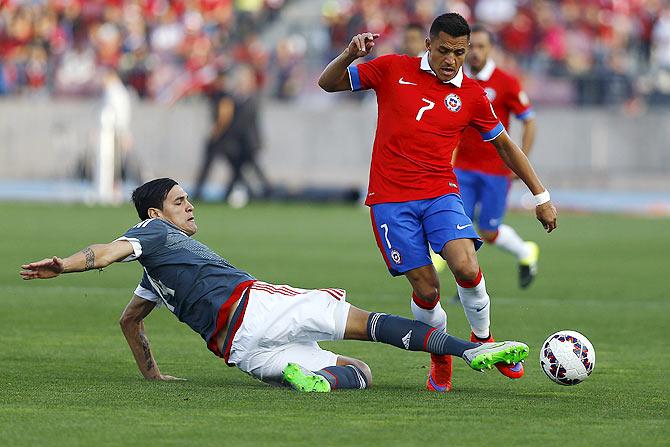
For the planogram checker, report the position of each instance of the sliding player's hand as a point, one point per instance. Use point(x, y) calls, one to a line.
point(44, 269)
point(166, 378)
point(547, 214)
point(361, 44)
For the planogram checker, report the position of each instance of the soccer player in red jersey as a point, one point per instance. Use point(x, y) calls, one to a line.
point(483, 177)
point(424, 106)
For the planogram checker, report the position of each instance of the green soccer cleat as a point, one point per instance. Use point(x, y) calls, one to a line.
point(528, 265)
point(304, 380)
point(486, 355)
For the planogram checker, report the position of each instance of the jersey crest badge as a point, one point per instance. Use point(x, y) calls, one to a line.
point(395, 255)
point(490, 94)
point(453, 102)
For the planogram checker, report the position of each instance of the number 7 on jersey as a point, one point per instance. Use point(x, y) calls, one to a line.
point(430, 105)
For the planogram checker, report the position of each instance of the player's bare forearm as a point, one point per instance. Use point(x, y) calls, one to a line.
point(334, 77)
point(139, 346)
point(132, 326)
point(95, 256)
point(517, 161)
point(528, 136)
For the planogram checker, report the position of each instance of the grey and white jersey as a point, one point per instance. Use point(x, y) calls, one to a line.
point(187, 276)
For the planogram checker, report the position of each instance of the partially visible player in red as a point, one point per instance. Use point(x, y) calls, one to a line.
point(424, 105)
point(483, 177)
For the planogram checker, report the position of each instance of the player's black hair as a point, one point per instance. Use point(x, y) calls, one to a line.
point(479, 28)
point(151, 195)
point(451, 23)
point(414, 26)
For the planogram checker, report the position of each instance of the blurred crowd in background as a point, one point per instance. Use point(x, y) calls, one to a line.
point(601, 52)
point(163, 49)
point(568, 51)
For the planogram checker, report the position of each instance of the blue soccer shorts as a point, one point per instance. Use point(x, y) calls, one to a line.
point(404, 230)
point(489, 192)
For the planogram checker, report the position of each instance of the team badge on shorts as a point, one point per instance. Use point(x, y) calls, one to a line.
point(453, 102)
point(395, 255)
point(490, 94)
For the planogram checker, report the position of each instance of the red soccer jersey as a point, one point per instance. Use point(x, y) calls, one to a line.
point(419, 124)
point(506, 95)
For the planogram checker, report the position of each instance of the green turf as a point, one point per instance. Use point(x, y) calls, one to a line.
point(67, 376)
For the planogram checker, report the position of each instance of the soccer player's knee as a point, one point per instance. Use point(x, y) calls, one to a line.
point(489, 236)
point(467, 270)
point(365, 369)
point(427, 292)
point(362, 367)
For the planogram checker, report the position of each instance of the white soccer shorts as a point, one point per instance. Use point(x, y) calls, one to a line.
point(283, 324)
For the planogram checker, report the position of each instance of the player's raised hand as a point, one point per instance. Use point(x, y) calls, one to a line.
point(44, 269)
point(361, 44)
point(547, 214)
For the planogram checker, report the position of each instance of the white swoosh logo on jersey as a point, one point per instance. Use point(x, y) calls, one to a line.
point(460, 227)
point(401, 81)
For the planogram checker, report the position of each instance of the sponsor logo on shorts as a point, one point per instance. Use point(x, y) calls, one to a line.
point(395, 255)
point(460, 227)
point(453, 102)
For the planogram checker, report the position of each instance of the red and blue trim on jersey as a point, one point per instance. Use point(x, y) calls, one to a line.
point(526, 114)
point(222, 318)
point(493, 133)
point(354, 78)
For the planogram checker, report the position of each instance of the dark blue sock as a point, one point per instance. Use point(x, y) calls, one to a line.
point(414, 335)
point(344, 377)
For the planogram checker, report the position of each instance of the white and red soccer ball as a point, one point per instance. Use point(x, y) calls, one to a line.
point(567, 357)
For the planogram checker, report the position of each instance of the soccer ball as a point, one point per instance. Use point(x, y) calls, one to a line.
point(567, 357)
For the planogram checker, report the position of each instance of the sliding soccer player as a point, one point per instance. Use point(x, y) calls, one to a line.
point(268, 331)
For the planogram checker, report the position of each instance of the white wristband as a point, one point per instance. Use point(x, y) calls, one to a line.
point(542, 198)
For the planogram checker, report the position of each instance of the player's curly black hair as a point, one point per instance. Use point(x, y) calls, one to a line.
point(151, 195)
point(450, 23)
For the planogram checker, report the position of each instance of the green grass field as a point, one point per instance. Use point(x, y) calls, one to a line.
point(67, 376)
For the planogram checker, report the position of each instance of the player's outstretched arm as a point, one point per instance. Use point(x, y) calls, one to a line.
point(132, 326)
point(517, 161)
point(335, 77)
point(95, 256)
